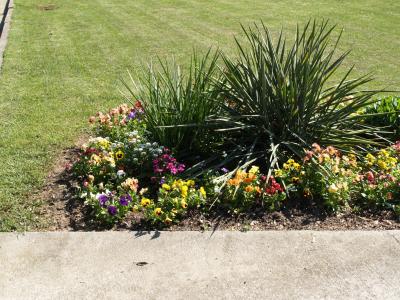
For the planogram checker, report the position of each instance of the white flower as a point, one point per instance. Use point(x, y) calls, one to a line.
point(121, 173)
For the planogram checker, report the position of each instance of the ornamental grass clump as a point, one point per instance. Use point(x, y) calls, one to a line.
point(177, 102)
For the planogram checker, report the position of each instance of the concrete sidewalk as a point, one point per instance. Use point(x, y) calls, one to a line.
point(193, 265)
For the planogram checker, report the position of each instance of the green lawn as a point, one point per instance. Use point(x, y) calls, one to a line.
point(62, 65)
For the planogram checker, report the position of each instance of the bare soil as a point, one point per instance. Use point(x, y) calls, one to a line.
point(64, 211)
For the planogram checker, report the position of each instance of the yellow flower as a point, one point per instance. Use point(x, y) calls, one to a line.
point(254, 170)
point(119, 155)
point(370, 159)
point(278, 173)
point(333, 188)
point(158, 211)
point(335, 169)
point(184, 204)
point(166, 186)
point(295, 179)
point(190, 182)
point(90, 178)
point(382, 165)
point(240, 174)
point(326, 156)
point(184, 191)
point(104, 143)
point(203, 192)
point(286, 166)
point(306, 192)
point(168, 220)
point(296, 166)
point(145, 202)
point(384, 153)
point(95, 159)
point(290, 162)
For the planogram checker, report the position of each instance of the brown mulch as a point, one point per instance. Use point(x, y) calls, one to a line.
point(63, 211)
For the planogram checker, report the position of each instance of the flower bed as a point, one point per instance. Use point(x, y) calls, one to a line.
point(244, 137)
point(122, 172)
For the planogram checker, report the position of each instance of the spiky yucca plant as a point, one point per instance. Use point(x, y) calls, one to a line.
point(278, 100)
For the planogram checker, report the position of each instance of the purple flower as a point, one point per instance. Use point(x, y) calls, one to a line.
point(162, 181)
point(102, 199)
point(112, 210)
point(225, 170)
point(125, 200)
point(132, 115)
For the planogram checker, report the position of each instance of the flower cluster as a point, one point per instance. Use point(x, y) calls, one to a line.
point(111, 123)
point(343, 180)
point(112, 163)
point(166, 164)
point(247, 189)
point(174, 198)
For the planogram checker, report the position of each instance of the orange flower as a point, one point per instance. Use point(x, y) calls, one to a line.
point(234, 181)
point(249, 189)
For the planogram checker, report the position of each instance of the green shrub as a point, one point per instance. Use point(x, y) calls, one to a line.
point(385, 113)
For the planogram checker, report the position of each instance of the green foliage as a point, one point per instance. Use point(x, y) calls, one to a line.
point(385, 113)
point(178, 102)
point(277, 97)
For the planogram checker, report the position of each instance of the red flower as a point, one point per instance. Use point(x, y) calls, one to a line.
point(274, 187)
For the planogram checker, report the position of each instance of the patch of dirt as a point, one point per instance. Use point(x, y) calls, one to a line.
point(64, 211)
point(47, 7)
point(61, 208)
